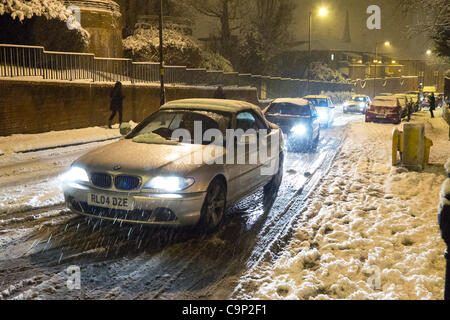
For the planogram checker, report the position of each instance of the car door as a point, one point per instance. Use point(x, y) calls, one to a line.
point(314, 121)
point(247, 176)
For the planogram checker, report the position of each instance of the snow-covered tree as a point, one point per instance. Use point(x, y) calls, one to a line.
point(432, 17)
point(179, 49)
point(40, 22)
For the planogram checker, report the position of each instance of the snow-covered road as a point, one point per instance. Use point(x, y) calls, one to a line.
point(39, 239)
point(338, 214)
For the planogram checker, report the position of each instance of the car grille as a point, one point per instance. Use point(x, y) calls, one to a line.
point(101, 180)
point(127, 183)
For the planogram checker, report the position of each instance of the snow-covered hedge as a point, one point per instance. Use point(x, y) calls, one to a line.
point(322, 72)
point(338, 97)
point(179, 49)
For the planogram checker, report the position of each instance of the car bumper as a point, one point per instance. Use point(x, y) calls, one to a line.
point(355, 109)
point(175, 210)
point(389, 118)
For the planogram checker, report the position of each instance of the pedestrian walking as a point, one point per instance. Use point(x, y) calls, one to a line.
point(432, 101)
point(219, 94)
point(116, 103)
point(444, 223)
point(409, 106)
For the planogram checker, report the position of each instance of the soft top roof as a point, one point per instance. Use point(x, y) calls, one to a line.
point(221, 105)
point(298, 101)
point(316, 97)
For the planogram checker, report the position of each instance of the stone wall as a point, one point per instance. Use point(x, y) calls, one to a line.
point(42, 106)
point(103, 20)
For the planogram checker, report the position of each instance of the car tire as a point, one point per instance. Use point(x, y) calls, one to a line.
point(274, 185)
point(214, 206)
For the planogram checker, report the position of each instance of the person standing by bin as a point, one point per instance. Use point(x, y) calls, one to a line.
point(444, 224)
point(409, 107)
point(116, 103)
point(432, 101)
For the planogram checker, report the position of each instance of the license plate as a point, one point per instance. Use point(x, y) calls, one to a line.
point(110, 202)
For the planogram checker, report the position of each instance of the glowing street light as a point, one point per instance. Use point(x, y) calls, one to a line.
point(322, 12)
point(386, 44)
point(429, 52)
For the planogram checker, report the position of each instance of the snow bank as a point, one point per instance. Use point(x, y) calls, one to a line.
point(370, 231)
point(25, 142)
point(151, 138)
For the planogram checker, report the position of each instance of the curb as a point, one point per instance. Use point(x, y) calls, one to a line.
point(66, 145)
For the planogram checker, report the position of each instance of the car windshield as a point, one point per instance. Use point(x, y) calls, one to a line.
point(289, 109)
point(164, 123)
point(318, 102)
point(359, 99)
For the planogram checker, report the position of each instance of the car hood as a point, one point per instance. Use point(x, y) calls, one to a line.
point(138, 158)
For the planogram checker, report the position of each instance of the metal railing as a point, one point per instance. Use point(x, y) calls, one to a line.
point(34, 61)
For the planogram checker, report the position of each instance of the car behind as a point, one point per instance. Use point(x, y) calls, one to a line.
point(299, 121)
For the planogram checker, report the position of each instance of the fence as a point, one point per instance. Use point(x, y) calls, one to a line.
point(33, 61)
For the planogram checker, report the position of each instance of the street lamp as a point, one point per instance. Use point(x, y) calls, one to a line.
point(161, 57)
point(322, 12)
point(386, 44)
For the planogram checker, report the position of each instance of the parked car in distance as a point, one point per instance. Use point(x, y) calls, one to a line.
point(325, 108)
point(149, 178)
point(358, 103)
point(403, 101)
point(299, 121)
point(384, 109)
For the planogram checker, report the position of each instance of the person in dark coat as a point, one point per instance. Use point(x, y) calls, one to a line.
point(432, 101)
point(444, 224)
point(219, 94)
point(116, 103)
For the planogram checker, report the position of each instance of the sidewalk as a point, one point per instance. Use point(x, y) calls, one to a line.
point(23, 143)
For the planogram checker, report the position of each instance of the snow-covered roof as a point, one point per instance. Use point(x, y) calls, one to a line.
point(316, 97)
point(222, 105)
point(299, 101)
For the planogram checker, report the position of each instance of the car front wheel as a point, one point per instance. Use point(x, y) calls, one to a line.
point(214, 207)
point(275, 183)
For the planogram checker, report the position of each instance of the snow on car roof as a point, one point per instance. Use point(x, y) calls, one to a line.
point(222, 105)
point(316, 97)
point(299, 101)
point(447, 166)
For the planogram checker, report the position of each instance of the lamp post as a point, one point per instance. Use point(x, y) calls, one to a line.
point(161, 56)
point(386, 44)
point(322, 12)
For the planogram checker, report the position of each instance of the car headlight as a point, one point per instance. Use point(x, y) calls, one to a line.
point(299, 130)
point(169, 184)
point(76, 174)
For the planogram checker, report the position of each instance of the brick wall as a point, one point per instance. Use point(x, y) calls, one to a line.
point(42, 106)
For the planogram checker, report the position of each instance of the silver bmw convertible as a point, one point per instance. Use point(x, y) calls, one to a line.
point(182, 166)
